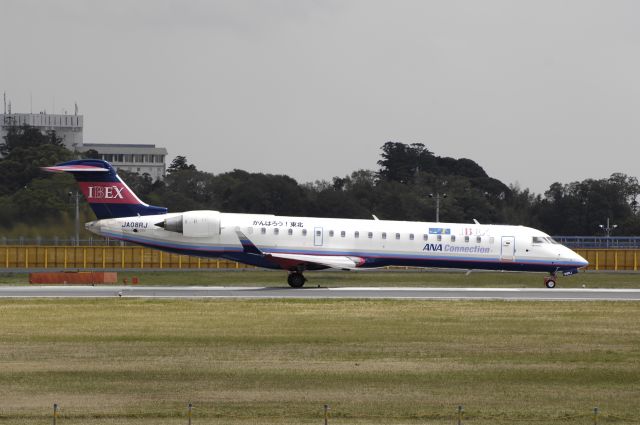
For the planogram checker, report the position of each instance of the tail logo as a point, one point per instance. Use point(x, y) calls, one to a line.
point(105, 192)
point(108, 193)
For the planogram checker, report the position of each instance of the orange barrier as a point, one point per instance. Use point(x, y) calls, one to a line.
point(133, 257)
point(73, 277)
point(103, 257)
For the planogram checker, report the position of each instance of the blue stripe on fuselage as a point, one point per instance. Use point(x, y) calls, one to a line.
point(372, 259)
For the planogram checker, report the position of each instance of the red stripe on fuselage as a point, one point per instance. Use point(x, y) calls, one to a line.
point(107, 193)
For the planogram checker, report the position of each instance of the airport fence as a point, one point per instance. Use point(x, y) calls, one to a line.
point(455, 416)
point(599, 242)
point(58, 241)
point(135, 257)
point(104, 257)
point(573, 242)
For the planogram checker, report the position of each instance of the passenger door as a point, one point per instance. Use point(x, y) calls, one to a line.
point(508, 248)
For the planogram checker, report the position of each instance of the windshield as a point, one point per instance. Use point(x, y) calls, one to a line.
point(543, 239)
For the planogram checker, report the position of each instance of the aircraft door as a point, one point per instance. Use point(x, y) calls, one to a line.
point(508, 249)
point(317, 236)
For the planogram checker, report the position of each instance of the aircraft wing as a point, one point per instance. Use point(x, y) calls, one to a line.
point(289, 261)
point(332, 261)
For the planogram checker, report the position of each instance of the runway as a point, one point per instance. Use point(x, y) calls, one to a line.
point(197, 292)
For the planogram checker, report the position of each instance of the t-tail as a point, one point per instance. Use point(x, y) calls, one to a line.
point(108, 195)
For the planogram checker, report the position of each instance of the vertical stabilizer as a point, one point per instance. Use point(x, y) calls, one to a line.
point(107, 194)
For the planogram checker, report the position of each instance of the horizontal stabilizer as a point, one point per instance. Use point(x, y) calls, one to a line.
point(76, 169)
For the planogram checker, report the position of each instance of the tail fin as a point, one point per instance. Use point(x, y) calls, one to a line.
point(108, 195)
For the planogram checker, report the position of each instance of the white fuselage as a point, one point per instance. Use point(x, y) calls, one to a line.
point(377, 243)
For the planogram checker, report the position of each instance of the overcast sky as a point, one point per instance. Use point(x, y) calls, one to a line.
point(535, 92)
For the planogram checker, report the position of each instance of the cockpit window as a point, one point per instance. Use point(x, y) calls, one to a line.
point(546, 240)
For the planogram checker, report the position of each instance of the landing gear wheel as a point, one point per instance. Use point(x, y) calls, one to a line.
point(550, 282)
point(296, 280)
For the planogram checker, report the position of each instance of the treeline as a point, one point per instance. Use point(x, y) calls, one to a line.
point(33, 201)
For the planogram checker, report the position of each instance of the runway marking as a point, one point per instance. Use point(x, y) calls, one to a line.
point(248, 292)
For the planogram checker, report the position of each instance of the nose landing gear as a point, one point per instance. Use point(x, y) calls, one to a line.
point(550, 281)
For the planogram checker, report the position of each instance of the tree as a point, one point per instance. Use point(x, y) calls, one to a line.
point(91, 154)
point(25, 137)
point(26, 150)
point(179, 163)
point(401, 162)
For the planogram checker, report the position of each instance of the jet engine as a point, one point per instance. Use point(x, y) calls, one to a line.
point(194, 224)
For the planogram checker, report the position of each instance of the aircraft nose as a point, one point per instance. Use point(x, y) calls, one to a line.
point(581, 261)
point(577, 259)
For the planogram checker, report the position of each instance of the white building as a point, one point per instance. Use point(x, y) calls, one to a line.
point(67, 127)
point(134, 158)
point(137, 158)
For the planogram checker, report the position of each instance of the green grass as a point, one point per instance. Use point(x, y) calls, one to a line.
point(425, 278)
point(128, 361)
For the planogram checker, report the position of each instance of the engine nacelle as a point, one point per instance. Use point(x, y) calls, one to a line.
point(194, 224)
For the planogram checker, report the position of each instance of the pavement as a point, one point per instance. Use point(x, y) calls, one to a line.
point(190, 292)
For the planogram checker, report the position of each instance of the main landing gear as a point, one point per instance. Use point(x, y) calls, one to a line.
point(550, 281)
point(296, 279)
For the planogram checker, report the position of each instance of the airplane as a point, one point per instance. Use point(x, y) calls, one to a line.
point(298, 244)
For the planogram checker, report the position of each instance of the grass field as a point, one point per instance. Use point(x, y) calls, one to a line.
point(127, 361)
point(426, 278)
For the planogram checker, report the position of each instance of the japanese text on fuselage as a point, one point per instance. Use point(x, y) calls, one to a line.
point(277, 223)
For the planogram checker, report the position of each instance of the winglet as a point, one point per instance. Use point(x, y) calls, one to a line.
point(247, 245)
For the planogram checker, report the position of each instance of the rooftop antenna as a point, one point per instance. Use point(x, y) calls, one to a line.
point(4, 95)
point(9, 107)
point(76, 106)
point(30, 102)
point(53, 109)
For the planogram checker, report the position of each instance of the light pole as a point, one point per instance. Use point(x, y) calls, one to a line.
point(438, 197)
point(607, 229)
point(76, 195)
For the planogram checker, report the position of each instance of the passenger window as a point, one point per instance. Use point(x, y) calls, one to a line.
point(453, 238)
point(425, 237)
point(263, 230)
point(304, 232)
point(276, 231)
point(343, 234)
point(397, 235)
point(479, 239)
point(356, 234)
point(290, 232)
point(370, 235)
point(439, 238)
point(410, 236)
point(318, 233)
point(384, 235)
point(466, 238)
point(331, 233)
